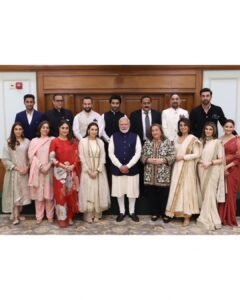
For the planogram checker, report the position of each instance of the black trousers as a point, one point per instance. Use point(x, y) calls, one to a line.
point(157, 197)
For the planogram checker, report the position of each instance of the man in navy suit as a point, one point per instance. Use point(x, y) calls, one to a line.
point(29, 118)
point(142, 119)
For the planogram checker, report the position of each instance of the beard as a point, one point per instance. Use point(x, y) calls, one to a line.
point(205, 102)
point(124, 130)
point(175, 105)
point(88, 109)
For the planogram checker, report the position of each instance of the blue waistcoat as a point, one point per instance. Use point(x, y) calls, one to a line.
point(124, 150)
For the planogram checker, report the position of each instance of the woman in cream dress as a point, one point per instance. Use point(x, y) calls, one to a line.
point(15, 185)
point(183, 197)
point(211, 175)
point(94, 196)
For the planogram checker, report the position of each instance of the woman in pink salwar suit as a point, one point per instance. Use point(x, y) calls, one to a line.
point(41, 175)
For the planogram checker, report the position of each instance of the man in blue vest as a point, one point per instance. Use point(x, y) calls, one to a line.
point(124, 152)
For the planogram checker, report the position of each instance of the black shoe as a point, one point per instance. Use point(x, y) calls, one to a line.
point(166, 219)
point(154, 218)
point(134, 217)
point(120, 217)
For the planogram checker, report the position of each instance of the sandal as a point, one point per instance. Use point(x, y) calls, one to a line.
point(15, 222)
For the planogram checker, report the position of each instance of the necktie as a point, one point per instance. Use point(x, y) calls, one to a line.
point(147, 125)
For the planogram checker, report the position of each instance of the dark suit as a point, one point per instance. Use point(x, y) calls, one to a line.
point(136, 121)
point(30, 130)
point(54, 117)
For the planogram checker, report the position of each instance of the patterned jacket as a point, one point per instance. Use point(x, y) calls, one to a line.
point(159, 175)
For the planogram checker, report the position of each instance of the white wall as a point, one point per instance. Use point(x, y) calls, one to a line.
point(11, 99)
point(226, 92)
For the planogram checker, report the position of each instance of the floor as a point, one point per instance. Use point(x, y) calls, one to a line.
point(108, 226)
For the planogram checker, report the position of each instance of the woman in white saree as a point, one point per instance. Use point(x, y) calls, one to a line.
point(211, 176)
point(183, 196)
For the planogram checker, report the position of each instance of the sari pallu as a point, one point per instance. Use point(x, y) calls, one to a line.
point(183, 197)
point(212, 185)
point(227, 211)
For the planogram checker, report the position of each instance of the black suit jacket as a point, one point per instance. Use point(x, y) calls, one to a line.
point(30, 130)
point(136, 121)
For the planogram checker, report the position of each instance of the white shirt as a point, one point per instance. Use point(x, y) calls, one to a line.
point(133, 160)
point(170, 118)
point(81, 121)
point(104, 134)
point(143, 122)
point(29, 116)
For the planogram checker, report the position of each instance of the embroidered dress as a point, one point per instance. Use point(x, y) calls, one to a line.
point(183, 197)
point(15, 185)
point(41, 184)
point(65, 184)
point(94, 196)
point(211, 185)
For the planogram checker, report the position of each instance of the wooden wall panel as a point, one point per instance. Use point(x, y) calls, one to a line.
point(93, 82)
point(99, 82)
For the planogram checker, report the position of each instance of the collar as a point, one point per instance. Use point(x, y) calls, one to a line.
point(143, 112)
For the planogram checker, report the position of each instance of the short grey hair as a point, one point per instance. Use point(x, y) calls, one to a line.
point(124, 118)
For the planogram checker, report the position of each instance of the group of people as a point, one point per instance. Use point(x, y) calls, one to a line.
point(69, 164)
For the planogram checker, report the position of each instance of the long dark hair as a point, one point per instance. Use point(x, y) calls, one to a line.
point(215, 132)
point(89, 126)
point(12, 141)
point(40, 126)
point(163, 137)
point(70, 135)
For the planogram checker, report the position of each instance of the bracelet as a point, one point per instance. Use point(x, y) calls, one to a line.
point(212, 163)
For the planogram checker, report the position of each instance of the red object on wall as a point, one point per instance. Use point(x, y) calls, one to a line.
point(19, 85)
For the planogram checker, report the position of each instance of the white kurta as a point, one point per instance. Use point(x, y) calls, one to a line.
point(81, 121)
point(170, 118)
point(124, 184)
